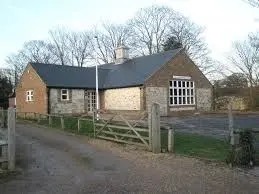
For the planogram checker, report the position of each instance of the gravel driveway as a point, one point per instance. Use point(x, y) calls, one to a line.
point(56, 162)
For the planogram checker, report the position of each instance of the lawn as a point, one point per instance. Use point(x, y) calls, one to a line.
point(198, 146)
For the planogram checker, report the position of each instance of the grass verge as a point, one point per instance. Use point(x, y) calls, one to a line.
point(198, 146)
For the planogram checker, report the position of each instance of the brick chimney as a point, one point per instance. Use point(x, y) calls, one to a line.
point(122, 54)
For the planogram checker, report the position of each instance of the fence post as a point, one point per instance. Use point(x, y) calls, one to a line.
point(94, 123)
point(150, 129)
point(78, 124)
point(170, 140)
point(155, 127)
point(39, 118)
point(2, 117)
point(231, 124)
point(62, 122)
point(11, 138)
point(50, 120)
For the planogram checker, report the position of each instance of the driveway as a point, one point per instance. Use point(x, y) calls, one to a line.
point(213, 125)
point(56, 162)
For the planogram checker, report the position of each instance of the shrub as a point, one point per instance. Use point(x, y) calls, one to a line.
point(243, 154)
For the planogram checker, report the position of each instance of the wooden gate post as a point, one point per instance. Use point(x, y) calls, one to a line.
point(155, 127)
point(11, 138)
point(170, 139)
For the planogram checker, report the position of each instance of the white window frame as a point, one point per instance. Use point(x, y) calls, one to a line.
point(64, 94)
point(182, 92)
point(29, 95)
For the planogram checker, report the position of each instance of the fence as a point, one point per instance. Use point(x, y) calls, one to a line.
point(82, 125)
point(7, 138)
point(115, 128)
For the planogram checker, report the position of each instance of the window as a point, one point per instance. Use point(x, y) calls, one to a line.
point(64, 95)
point(181, 92)
point(29, 95)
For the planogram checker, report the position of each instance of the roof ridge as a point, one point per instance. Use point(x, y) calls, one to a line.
point(57, 65)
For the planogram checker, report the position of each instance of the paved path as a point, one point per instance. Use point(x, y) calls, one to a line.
point(55, 162)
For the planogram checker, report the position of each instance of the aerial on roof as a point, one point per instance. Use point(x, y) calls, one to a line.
point(132, 72)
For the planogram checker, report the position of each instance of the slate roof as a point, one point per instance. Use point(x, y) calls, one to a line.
point(133, 72)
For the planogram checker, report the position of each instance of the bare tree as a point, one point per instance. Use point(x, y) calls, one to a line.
point(190, 36)
point(16, 63)
point(32, 51)
point(108, 38)
point(79, 43)
point(245, 58)
point(149, 28)
point(59, 37)
point(38, 51)
point(254, 3)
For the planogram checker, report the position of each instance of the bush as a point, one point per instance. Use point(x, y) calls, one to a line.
point(243, 154)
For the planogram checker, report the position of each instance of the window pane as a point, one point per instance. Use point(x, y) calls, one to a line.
point(171, 100)
point(175, 100)
point(192, 84)
point(64, 97)
point(184, 100)
point(179, 84)
point(180, 92)
point(171, 83)
point(175, 92)
point(192, 100)
point(187, 84)
point(180, 100)
point(191, 91)
point(171, 92)
point(188, 92)
point(183, 84)
point(63, 91)
point(184, 92)
point(188, 100)
point(175, 83)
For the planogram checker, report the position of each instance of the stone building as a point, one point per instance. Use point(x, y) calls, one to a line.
point(169, 78)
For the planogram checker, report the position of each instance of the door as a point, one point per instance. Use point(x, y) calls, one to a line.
point(90, 100)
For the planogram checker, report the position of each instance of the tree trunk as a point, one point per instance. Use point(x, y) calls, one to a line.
point(251, 92)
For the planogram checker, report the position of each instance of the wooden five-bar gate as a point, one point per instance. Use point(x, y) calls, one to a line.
point(117, 128)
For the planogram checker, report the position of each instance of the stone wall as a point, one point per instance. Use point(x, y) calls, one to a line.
point(122, 99)
point(204, 99)
point(238, 103)
point(74, 105)
point(157, 95)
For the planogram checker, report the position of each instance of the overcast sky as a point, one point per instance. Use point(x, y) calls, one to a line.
point(23, 20)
